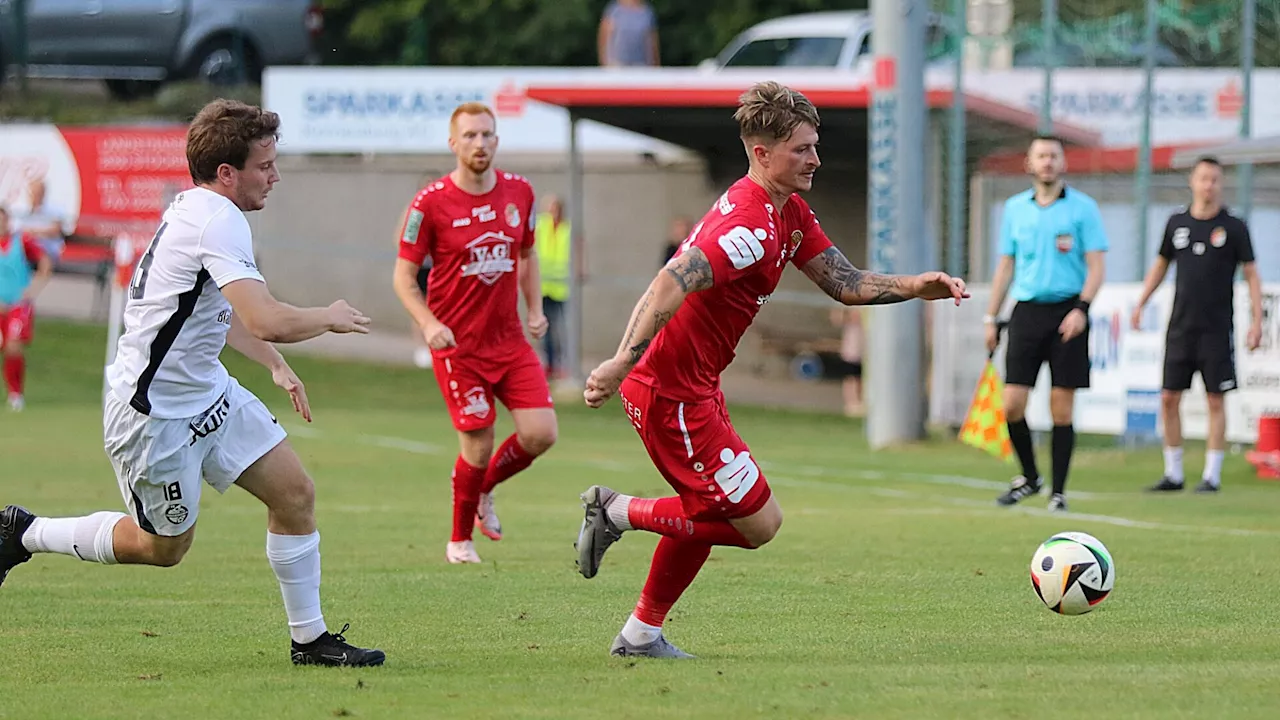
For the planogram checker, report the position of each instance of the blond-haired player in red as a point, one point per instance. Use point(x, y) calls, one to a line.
point(476, 225)
point(682, 335)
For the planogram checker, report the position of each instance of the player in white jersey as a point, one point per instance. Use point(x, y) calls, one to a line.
point(175, 417)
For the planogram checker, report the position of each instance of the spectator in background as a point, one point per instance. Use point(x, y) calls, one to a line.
point(680, 228)
point(849, 320)
point(18, 290)
point(552, 237)
point(628, 35)
point(46, 223)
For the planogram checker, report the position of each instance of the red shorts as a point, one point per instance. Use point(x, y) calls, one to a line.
point(470, 384)
point(696, 449)
point(16, 323)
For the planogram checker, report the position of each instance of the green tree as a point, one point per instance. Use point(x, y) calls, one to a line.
point(532, 32)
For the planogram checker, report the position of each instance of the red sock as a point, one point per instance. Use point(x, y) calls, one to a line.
point(15, 368)
point(466, 497)
point(510, 459)
point(666, 517)
point(675, 564)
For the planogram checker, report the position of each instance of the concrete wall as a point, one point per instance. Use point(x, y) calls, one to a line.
point(329, 232)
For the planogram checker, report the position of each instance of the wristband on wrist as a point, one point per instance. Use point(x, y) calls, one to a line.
point(1083, 306)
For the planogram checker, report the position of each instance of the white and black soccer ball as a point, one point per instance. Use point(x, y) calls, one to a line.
point(1072, 573)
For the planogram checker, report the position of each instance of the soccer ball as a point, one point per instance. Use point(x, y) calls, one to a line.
point(1072, 573)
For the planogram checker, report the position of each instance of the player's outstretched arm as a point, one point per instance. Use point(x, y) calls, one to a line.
point(686, 273)
point(845, 283)
point(265, 354)
point(273, 321)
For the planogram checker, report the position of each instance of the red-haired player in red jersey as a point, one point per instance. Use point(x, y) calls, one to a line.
point(702, 302)
point(476, 225)
point(18, 289)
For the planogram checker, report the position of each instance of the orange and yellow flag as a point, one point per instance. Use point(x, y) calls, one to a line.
point(984, 427)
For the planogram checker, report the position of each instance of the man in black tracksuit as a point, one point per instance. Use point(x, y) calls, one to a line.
point(1208, 243)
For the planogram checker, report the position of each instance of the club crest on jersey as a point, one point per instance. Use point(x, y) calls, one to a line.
point(1065, 242)
point(1181, 238)
point(1218, 237)
point(490, 258)
point(475, 403)
point(512, 214)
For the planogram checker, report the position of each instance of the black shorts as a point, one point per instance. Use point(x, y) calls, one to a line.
point(846, 368)
point(423, 272)
point(1210, 353)
point(1034, 339)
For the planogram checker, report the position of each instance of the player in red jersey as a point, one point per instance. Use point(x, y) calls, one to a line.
point(682, 335)
point(476, 225)
point(18, 290)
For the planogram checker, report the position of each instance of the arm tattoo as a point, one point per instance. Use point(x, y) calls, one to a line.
point(692, 271)
point(845, 283)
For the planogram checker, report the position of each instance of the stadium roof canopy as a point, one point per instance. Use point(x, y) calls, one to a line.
point(694, 109)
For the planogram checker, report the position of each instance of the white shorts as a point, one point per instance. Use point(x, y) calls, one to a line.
point(160, 463)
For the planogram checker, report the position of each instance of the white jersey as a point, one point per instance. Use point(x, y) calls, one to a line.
point(176, 320)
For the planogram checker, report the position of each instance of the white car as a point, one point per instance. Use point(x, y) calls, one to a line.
point(838, 40)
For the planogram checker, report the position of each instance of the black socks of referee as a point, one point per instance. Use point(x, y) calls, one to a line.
point(1064, 444)
point(1020, 438)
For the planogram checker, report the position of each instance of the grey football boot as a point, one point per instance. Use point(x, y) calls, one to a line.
point(597, 532)
point(659, 648)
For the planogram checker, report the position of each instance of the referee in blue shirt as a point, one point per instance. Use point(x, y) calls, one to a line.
point(1051, 248)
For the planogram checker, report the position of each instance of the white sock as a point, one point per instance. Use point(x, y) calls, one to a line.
point(617, 511)
point(1173, 464)
point(89, 538)
point(296, 562)
point(639, 633)
point(1213, 467)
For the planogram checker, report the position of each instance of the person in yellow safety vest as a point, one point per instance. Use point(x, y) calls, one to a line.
point(551, 238)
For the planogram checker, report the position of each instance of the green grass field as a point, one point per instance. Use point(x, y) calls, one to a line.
point(896, 588)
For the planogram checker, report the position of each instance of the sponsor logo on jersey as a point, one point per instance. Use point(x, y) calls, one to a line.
point(484, 213)
point(176, 514)
point(212, 419)
point(725, 206)
point(412, 226)
point(461, 222)
point(738, 475)
point(1065, 242)
point(475, 403)
point(1218, 237)
point(1181, 238)
point(490, 258)
point(1198, 248)
point(743, 246)
point(512, 213)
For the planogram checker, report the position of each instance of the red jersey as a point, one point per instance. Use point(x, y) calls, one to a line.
point(474, 242)
point(748, 243)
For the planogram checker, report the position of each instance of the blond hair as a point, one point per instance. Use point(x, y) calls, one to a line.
point(771, 111)
point(223, 133)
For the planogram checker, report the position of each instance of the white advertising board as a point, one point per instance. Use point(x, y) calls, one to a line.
point(1190, 105)
point(406, 110)
point(1127, 367)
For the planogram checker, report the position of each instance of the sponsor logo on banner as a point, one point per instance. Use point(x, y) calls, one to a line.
point(105, 181)
point(401, 110)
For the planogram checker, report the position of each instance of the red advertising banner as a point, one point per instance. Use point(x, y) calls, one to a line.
point(103, 180)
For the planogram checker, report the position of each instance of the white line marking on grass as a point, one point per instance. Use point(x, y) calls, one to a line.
point(421, 448)
point(992, 510)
